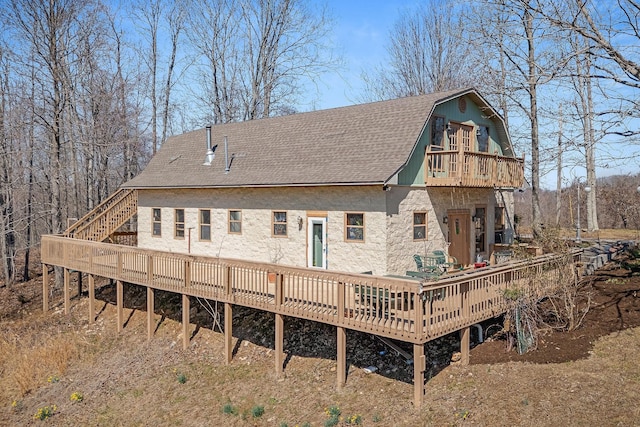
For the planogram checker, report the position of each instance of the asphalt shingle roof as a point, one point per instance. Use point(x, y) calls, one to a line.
point(360, 144)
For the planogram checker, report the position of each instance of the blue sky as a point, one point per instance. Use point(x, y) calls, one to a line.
point(361, 30)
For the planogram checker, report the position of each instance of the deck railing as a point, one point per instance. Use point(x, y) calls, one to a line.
point(472, 169)
point(106, 218)
point(406, 310)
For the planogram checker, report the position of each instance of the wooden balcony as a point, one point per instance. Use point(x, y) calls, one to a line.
point(401, 309)
point(471, 169)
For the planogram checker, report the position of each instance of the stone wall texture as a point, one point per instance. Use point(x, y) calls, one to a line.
point(388, 244)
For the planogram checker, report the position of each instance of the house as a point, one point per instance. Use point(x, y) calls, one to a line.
point(353, 189)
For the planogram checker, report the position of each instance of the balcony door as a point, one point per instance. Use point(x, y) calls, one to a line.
point(459, 222)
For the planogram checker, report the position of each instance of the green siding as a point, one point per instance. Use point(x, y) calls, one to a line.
point(413, 172)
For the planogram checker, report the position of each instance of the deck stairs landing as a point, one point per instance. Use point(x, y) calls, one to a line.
point(106, 218)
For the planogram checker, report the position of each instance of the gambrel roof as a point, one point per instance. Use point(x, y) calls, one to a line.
point(354, 145)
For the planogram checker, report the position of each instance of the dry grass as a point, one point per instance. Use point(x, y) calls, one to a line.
point(28, 362)
point(127, 381)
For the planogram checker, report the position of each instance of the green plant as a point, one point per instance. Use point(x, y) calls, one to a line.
point(182, 378)
point(257, 411)
point(283, 424)
point(53, 379)
point(512, 294)
point(376, 418)
point(355, 420)
point(463, 414)
point(45, 412)
point(76, 396)
point(229, 409)
point(333, 412)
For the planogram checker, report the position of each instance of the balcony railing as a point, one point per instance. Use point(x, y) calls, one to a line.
point(471, 169)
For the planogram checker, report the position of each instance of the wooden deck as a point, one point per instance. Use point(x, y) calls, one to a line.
point(405, 310)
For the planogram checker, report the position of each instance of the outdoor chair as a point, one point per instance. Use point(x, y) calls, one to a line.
point(446, 260)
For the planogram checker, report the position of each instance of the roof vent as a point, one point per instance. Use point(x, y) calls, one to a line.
point(210, 153)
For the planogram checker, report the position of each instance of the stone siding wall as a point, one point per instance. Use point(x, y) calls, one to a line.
point(402, 202)
point(256, 242)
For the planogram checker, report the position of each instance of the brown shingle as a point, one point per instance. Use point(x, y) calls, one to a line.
point(360, 144)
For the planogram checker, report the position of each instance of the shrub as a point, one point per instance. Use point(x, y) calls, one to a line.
point(229, 409)
point(257, 411)
point(76, 396)
point(45, 412)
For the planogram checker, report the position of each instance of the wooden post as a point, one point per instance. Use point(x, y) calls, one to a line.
point(185, 321)
point(341, 357)
point(119, 304)
point(45, 288)
point(150, 312)
point(228, 332)
point(464, 345)
point(67, 284)
point(79, 284)
point(465, 332)
point(92, 298)
point(419, 366)
point(279, 344)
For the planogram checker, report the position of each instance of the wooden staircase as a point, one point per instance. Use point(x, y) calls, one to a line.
point(106, 218)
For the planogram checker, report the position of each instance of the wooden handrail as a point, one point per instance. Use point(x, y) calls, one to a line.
point(106, 218)
point(472, 169)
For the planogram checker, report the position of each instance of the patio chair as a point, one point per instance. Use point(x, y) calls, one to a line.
point(427, 264)
point(446, 260)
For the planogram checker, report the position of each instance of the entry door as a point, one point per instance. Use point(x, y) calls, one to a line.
point(460, 235)
point(317, 242)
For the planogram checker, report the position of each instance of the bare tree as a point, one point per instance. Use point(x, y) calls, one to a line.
point(255, 55)
point(426, 54)
point(612, 39)
point(7, 224)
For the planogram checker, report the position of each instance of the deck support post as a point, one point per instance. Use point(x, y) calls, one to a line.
point(465, 334)
point(279, 344)
point(45, 288)
point(228, 332)
point(119, 304)
point(150, 312)
point(92, 298)
point(67, 284)
point(79, 284)
point(185, 321)
point(419, 367)
point(341, 356)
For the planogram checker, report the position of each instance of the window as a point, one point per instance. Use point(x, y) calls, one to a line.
point(419, 226)
point(279, 223)
point(480, 225)
point(205, 224)
point(354, 227)
point(483, 139)
point(235, 222)
point(179, 224)
point(499, 225)
point(437, 132)
point(156, 222)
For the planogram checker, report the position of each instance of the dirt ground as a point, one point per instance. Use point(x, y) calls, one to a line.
point(589, 376)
